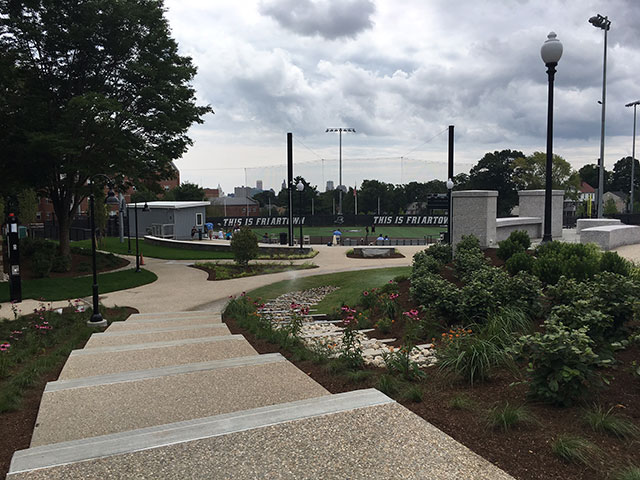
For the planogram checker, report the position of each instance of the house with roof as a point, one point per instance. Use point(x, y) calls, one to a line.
point(619, 198)
point(586, 193)
point(167, 219)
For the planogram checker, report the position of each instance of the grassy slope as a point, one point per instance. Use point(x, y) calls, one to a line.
point(112, 244)
point(51, 289)
point(351, 285)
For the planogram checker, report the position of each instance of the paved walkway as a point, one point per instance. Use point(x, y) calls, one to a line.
point(180, 287)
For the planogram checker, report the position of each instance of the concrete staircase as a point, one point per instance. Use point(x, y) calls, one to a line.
point(176, 396)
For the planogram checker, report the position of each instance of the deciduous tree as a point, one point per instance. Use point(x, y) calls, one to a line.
point(91, 87)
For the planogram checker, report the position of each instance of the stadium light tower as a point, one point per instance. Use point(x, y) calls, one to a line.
point(633, 151)
point(341, 187)
point(604, 24)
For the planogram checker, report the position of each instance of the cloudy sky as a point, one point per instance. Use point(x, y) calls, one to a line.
point(399, 72)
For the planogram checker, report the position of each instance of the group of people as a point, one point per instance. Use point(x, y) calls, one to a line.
point(211, 233)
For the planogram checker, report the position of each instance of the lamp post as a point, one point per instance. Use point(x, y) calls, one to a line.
point(550, 52)
point(603, 23)
point(340, 186)
point(300, 188)
point(449, 229)
point(135, 214)
point(633, 151)
point(96, 318)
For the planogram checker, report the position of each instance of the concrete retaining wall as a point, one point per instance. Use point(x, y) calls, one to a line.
point(595, 222)
point(505, 226)
point(611, 236)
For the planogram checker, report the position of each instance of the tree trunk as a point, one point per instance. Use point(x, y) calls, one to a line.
point(64, 225)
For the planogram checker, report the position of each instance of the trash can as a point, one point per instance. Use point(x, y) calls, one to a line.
point(283, 239)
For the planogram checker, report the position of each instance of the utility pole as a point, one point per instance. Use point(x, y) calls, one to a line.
point(340, 187)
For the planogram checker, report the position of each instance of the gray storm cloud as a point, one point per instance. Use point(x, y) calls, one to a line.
point(328, 19)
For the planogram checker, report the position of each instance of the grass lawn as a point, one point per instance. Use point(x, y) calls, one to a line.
point(112, 244)
point(351, 285)
point(51, 289)
point(227, 271)
point(391, 232)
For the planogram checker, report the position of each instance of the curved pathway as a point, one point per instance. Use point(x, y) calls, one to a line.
point(180, 287)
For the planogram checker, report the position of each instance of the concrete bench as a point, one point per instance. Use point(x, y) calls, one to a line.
point(609, 237)
point(373, 251)
point(595, 222)
point(505, 226)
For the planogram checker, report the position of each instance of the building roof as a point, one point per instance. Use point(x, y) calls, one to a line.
point(586, 188)
point(169, 205)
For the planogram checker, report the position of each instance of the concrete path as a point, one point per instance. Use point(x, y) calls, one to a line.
point(227, 413)
point(180, 287)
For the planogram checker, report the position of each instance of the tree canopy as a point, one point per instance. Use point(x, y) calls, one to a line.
point(495, 171)
point(530, 174)
point(621, 177)
point(91, 87)
point(186, 191)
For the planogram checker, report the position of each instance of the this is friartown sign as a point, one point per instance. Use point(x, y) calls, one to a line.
point(408, 220)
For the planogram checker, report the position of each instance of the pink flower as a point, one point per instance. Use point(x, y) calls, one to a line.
point(4, 347)
point(365, 293)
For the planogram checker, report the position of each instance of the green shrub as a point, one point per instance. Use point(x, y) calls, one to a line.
point(462, 401)
point(440, 251)
point(425, 263)
point(508, 248)
point(582, 314)
point(574, 449)
point(29, 246)
point(629, 473)
point(244, 246)
point(566, 291)
point(41, 263)
point(468, 262)
point(614, 295)
point(387, 385)
point(614, 263)
point(521, 237)
point(524, 291)
point(61, 263)
point(506, 416)
point(384, 325)
point(470, 358)
point(505, 323)
point(520, 262)
point(468, 243)
point(412, 393)
point(434, 292)
point(574, 260)
point(562, 363)
point(604, 421)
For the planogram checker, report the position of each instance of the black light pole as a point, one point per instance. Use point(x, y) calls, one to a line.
point(449, 228)
point(633, 151)
point(144, 209)
point(340, 187)
point(300, 188)
point(96, 318)
point(603, 23)
point(551, 52)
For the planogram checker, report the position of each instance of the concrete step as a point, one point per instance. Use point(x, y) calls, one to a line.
point(162, 323)
point(212, 316)
point(130, 337)
point(359, 435)
point(119, 402)
point(165, 315)
point(124, 358)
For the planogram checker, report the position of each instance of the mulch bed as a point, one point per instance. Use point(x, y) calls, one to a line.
point(248, 271)
point(524, 451)
point(393, 255)
point(17, 426)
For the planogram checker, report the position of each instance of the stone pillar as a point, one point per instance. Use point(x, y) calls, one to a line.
point(532, 205)
point(474, 213)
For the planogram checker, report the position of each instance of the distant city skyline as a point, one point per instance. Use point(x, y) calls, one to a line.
point(399, 76)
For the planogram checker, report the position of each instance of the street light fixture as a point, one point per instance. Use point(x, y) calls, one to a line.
point(603, 23)
point(300, 188)
point(340, 186)
point(449, 229)
point(135, 210)
point(550, 52)
point(633, 151)
point(96, 318)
